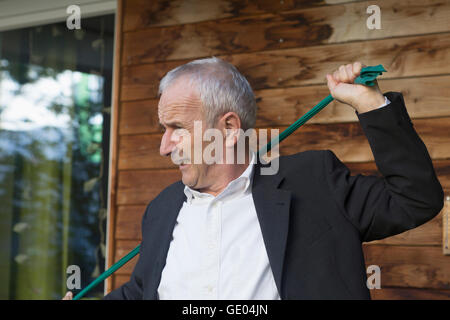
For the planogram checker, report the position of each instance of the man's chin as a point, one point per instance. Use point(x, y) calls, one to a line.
point(186, 177)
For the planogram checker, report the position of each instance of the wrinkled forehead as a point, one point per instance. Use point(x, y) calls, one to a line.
point(180, 97)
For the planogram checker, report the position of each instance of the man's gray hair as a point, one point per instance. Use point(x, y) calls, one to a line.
point(222, 89)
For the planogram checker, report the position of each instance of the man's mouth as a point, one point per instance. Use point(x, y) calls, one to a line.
point(183, 165)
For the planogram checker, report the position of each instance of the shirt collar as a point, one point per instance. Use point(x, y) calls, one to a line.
point(240, 185)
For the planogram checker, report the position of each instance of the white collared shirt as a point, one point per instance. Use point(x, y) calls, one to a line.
point(217, 250)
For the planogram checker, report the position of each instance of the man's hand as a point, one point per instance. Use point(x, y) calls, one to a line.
point(361, 98)
point(68, 296)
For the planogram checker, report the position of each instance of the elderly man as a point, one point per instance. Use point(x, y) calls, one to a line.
point(226, 231)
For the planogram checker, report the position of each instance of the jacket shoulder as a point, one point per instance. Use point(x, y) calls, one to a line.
point(169, 192)
point(166, 196)
point(304, 159)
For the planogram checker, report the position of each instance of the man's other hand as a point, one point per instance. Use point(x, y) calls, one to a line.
point(68, 296)
point(362, 98)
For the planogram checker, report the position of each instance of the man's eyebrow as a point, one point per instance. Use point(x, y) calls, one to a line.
point(172, 124)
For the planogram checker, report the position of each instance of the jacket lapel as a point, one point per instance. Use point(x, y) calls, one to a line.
point(272, 207)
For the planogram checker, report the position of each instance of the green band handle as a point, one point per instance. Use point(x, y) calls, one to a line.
point(367, 77)
point(108, 272)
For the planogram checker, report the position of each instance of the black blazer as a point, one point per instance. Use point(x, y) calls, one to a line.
point(314, 215)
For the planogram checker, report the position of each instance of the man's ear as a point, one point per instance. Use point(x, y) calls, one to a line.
point(230, 125)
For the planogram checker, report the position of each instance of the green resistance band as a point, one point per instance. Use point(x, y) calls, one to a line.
point(367, 77)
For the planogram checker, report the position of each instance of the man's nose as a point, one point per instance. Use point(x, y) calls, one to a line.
point(167, 145)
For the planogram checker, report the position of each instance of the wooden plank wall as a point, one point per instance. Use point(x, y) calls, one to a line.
point(285, 48)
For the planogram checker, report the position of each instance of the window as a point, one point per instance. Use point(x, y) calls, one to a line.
point(55, 98)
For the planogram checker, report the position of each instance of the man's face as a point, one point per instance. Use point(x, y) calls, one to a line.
point(178, 108)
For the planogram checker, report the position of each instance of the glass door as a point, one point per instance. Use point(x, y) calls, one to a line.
point(55, 97)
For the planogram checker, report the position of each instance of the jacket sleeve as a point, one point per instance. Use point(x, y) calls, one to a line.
point(407, 195)
point(131, 290)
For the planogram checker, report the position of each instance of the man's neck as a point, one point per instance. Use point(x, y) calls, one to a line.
point(228, 173)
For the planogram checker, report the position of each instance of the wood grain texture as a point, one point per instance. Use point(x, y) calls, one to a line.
point(128, 222)
point(141, 186)
point(139, 117)
point(425, 97)
point(142, 81)
point(347, 140)
point(142, 151)
point(409, 294)
point(141, 14)
point(402, 57)
point(410, 266)
point(288, 29)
